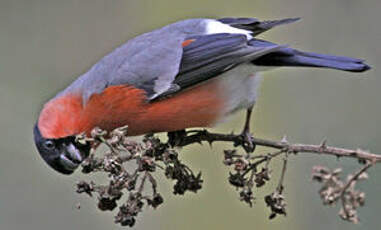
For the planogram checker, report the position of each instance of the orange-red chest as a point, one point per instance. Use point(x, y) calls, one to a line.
point(117, 106)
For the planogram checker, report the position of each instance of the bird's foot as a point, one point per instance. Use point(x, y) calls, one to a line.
point(176, 137)
point(247, 141)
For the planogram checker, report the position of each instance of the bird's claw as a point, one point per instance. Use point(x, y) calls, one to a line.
point(175, 138)
point(247, 142)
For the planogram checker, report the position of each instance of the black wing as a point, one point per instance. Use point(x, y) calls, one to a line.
point(207, 56)
point(210, 55)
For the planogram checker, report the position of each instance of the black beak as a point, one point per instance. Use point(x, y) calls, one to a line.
point(63, 154)
point(70, 157)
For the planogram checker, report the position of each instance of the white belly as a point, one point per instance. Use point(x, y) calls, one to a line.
point(240, 85)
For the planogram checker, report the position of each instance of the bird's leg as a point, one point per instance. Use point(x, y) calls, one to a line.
point(175, 137)
point(247, 138)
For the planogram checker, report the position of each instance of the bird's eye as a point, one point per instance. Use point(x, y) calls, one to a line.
point(49, 144)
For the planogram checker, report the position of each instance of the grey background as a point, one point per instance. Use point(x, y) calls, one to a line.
point(44, 45)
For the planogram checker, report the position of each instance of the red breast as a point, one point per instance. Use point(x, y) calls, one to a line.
point(117, 106)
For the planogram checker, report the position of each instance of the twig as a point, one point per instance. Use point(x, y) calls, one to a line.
point(204, 135)
point(357, 174)
point(142, 183)
point(284, 168)
point(349, 183)
point(265, 158)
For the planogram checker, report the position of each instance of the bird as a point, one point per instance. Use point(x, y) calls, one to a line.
point(191, 73)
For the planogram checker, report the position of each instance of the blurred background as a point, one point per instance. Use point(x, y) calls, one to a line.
point(46, 44)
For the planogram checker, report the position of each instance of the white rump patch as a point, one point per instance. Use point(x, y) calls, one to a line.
point(216, 27)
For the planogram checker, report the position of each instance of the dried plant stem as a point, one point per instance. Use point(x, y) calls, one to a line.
point(283, 173)
point(264, 158)
point(249, 171)
point(353, 179)
point(356, 175)
point(204, 135)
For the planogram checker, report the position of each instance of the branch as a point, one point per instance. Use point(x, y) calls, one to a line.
point(249, 172)
point(237, 140)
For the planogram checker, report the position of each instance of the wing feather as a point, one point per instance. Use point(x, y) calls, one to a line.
point(210, 55)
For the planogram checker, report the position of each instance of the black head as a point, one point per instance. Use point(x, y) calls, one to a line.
point(63, 154)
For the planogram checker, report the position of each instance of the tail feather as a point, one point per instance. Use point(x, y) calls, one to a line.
point(291, 57)
point(330, 57)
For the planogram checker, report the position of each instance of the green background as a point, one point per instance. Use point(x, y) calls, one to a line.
point(44, 45)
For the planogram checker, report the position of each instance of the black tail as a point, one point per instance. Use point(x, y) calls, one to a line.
point(292, 57)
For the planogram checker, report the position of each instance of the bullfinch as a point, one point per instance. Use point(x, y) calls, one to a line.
point(192, 73)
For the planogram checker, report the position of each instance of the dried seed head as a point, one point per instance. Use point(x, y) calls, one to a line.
point(97, 132)
point(237, 179)
point(276, 203)
point(262, 177)
point(246, 195)
point(84, 187)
